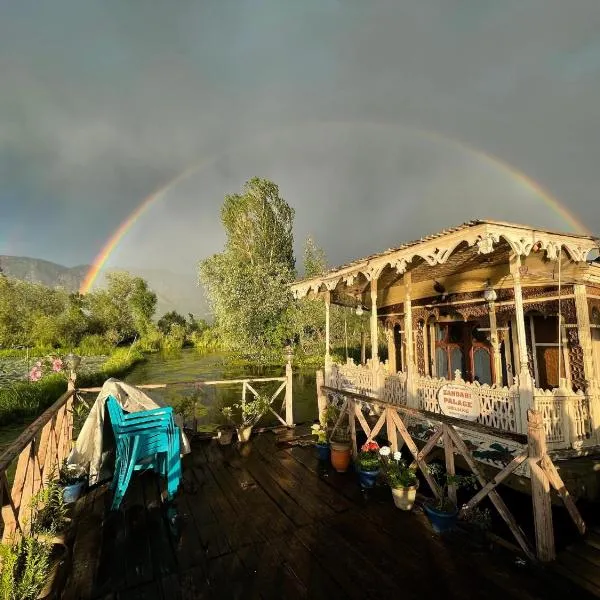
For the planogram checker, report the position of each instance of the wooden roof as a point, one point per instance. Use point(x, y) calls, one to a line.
point(473, 243)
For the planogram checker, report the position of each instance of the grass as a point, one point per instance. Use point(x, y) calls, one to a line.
point(26, 400)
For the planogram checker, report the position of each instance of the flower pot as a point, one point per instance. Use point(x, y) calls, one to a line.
point(71, 493)
point(244, 433)
point(323, 451)
point(367, 479)
point(57, 572)
point(224, 435)
point(340, 456)
point(441, 520)
point(404, 497)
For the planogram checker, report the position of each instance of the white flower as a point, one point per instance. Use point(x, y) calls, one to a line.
point(316, 427)
point(397, 456)
point(384, 451)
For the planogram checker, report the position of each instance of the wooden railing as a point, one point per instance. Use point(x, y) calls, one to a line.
point(567, 415)
point(533, 455)
point(39, 452)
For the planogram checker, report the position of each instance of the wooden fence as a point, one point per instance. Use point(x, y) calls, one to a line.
point(39, 452)
point(544, 474)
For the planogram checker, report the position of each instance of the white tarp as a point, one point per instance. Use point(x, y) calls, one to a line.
point(95, 441)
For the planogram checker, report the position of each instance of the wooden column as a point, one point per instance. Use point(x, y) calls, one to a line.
point(321, 397)
point(497, 359)
point(391, 344)
point(408, 340)
point(327, 342)
point(525, 380)
point(540, 489)
point(289, 402)
point(374, 341)
point(584, 332)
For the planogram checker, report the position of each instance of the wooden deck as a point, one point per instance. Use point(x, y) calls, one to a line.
point(264, 521)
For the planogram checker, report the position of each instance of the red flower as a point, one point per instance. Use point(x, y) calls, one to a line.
point(370, 447)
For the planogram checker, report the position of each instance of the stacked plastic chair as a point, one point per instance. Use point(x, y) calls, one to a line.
point(144, 440)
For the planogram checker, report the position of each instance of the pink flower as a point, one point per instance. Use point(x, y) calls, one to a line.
point(57, 365)
point(35, 374)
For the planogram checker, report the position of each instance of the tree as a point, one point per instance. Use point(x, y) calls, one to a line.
point(247, 283)
point(123, 310)
point(169, 319)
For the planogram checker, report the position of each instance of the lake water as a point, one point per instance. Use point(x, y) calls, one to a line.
point(188, 365)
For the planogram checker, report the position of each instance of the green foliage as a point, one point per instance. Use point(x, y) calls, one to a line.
point(121, 360)
point(247, 283)
point(368, 457)
point(396, 473)
point(252, 410)
point(93, 345)
point(49, 513)
point(444, 479)
point(24, 569)
point(169, 319)
point(175, 339)
point(34, 315)
point(207, 340)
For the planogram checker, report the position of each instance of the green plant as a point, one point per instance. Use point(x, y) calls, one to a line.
point(71, 473)
point(49, 513)
point(227, 412)
point(395, 470)
point(253, 410)
point(480, 518)
point(444, 480)
point(368, 457)
point(25, 566)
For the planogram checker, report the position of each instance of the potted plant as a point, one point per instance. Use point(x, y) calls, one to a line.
point(402, 480)
point(339, 440)
point(443, 513)
point(322, 445)
point(367, 464)
point(252, 411)
point(225, 432)
point(73, 479)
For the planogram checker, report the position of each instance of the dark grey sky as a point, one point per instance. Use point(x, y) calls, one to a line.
point(372, 116)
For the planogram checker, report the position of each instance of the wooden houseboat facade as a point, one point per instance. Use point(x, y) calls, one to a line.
point(483, 321)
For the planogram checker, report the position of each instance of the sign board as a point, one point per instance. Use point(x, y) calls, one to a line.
point(459, 401)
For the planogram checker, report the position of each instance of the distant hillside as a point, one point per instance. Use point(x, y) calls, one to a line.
point(174, 291)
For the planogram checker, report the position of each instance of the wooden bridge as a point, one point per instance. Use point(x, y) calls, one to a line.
point(266, 520)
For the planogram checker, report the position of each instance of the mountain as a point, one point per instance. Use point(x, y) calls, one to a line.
point(175, 291)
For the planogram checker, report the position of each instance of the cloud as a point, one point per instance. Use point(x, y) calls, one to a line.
point(102, 103)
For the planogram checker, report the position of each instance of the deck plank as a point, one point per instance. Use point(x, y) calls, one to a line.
point(266, 521)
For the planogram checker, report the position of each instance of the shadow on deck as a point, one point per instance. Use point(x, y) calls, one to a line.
point(264, 521)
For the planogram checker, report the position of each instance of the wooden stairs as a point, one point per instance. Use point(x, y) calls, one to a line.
point(580, 562)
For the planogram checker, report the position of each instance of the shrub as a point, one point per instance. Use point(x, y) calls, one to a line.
point(94, 345)
point(24, 570)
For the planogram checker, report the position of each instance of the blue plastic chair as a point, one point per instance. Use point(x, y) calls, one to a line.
point(144, 440)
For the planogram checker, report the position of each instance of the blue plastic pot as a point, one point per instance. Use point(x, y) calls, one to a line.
point(367, 479)
point(441, 520)
point(71, 493)
point(323, 451)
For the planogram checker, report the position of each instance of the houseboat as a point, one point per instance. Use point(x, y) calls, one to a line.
point(483, 321)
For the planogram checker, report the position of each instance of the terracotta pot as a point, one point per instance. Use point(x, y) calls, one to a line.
point(404, 497)
point(340, 456)
point(244, 433)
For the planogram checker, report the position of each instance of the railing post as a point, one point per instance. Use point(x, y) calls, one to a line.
point(289, 407)
point(321, 397)
point(540, 488)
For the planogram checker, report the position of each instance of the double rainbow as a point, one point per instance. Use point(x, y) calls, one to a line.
point(512, 172)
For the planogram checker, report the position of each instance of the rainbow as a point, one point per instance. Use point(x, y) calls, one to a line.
point(510, 170)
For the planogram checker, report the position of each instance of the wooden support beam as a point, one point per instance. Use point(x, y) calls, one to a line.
point(449, 456)
point(540, 488)
point(414, 451)
point(392, 433)
point(493, 494)
point(340, 416)
point(361, 418)
point(558, 484)
point(321, 397)
point(496, 481)
point(429, 446)
point(352, 425)
point(377, 427)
